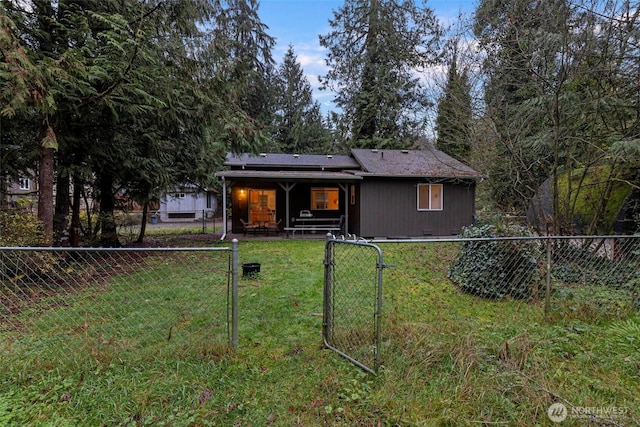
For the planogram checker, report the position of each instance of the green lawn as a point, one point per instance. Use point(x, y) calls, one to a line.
point(448, 359)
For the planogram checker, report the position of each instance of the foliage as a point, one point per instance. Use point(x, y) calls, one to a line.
point(374, 49)
point(23, 81)
point(298, 126)
point(496, 270)
point(583, 264)
point(139, 95)
point(248, 67)
point(520, 161)
point(596, 202)
point(453, 123)
point(19, 229)
point(560, 90)
point(592, 200)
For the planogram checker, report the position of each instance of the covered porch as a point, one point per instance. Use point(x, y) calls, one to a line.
point(267, 203)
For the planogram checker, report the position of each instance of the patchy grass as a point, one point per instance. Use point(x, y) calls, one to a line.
point(448, 359)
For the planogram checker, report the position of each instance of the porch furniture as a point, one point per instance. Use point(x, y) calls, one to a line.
point(314, 225)
point(273, 227)
point(247, 226)
point(311, 229)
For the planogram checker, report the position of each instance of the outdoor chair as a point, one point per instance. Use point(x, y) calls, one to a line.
point(247, 226)
point(274, 226)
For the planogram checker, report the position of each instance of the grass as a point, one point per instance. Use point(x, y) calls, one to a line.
point(448, 359)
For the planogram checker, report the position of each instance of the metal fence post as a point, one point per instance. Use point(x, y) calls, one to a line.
point(547, 296)
point(380, 267)
point(326, 301)
point(234, 293)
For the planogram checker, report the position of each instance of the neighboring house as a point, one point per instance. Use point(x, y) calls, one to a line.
point(379, 193)
point(21, 193)
point(187, 203)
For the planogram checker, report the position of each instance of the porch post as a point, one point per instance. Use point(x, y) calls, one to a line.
point(345, 187)
point(287, 187)
point(224, 209)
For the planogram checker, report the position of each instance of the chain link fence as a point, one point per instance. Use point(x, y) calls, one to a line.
point(478, 283)
point(352, 301)
point(561, 276)
point(61, 306)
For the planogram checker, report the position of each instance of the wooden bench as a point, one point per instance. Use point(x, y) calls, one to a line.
point(314, 228)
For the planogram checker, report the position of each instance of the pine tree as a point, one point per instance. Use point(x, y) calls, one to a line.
point(375, 48)
point(454, 119)
point(249, 67)
point(502, 28)
point(135, 95)
point(298, 126)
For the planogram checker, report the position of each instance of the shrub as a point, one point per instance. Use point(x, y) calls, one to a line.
point(496, 268)
point(20, 229)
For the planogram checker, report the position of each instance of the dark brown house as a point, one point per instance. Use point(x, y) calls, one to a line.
point(371, 193)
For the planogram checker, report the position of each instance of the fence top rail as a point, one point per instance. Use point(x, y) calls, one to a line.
point(88, 249)
point(493, 239)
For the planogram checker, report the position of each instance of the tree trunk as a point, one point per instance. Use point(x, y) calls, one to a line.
point(45, 190)
point(74, 230)
point(109, 232)
point(143, 223)
point(61, 215)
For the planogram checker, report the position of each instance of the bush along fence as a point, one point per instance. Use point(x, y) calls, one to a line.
point(110, 304)
point(490, 282)
point(558, 273)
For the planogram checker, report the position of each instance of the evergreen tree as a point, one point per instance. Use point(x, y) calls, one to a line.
point(561, 95)
point(455, 114)
point(375, 48)
point(249, 67)
point(518, 169)
point(135, 92)
point(298, 126)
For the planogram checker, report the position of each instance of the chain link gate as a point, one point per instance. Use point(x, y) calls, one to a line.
point(353, 301)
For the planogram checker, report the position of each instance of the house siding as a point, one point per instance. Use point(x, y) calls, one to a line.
point(389, 209)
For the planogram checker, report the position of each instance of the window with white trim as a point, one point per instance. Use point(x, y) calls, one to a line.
point(24, 183)
point(430, 197)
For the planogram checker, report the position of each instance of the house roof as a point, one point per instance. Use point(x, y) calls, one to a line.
point(411, 163)
point(362, 163)
point(291, 161)
point(289, 174)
